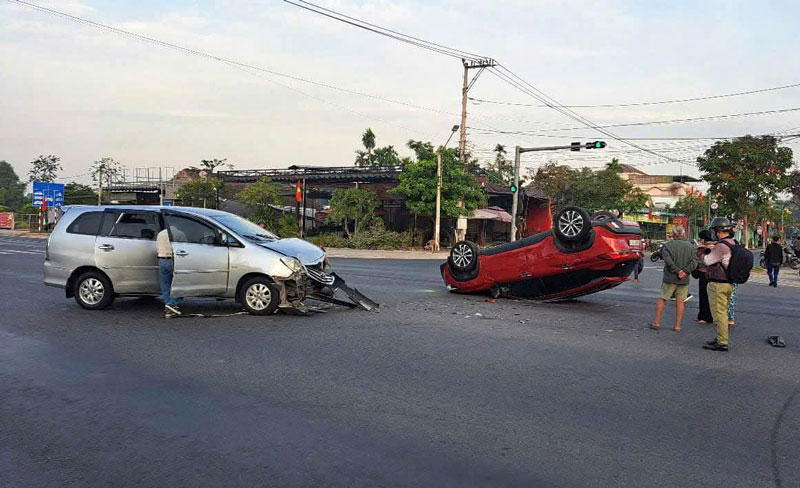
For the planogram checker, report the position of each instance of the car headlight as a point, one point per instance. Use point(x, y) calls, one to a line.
point(326, 265)
point(293, 264)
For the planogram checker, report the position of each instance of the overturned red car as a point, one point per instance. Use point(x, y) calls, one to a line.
point(579, 256)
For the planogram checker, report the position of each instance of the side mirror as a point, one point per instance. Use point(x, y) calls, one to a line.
point(228, 240)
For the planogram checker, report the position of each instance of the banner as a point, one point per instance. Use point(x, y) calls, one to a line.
point(7, 220)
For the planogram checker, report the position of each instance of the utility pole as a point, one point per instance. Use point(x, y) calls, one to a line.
point(438, 225)
point(480, 65)
point(575, 146)
point(100, 188)
point(514, 192)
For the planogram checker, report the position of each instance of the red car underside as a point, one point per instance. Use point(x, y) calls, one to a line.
point(537, 269)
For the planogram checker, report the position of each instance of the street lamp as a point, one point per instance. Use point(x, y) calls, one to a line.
point(437, 226)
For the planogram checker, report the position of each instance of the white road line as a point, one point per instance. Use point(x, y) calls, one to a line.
point(17, 251)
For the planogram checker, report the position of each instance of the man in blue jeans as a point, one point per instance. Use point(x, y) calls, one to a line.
point(165, 270)
point(773, 256)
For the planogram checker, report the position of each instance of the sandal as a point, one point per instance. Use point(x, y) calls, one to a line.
point(654, 326)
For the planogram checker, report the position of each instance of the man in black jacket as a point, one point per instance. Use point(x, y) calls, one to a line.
point(773, 256)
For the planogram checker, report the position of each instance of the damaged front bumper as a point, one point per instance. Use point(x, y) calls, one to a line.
point(313, 282)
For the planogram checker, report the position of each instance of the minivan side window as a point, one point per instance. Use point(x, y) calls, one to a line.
point(131, 225)
point(87, 224)
point(183, 229)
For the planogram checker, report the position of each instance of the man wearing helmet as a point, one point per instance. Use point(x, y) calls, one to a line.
point(719, 286)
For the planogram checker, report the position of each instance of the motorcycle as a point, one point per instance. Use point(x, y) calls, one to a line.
point(657, 254)
point(789, 258)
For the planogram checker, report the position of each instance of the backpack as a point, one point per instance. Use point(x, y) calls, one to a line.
point(740, 264)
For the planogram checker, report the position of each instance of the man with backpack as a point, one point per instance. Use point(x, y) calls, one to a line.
point(727, 264)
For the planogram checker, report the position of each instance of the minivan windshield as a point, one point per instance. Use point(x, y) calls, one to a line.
point(245, 228)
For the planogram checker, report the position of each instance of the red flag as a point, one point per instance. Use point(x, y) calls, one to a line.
point(299, 193)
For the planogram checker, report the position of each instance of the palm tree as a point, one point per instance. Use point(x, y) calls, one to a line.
point(368, 140)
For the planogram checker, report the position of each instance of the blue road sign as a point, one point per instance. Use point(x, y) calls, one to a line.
point(53, 193)
point(168, 203)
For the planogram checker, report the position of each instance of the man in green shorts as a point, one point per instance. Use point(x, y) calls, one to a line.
point(680, 259)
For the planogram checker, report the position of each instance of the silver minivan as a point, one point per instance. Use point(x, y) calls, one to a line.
point(97, 253)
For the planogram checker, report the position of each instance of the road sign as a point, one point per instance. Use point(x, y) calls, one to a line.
point(168, 203)
point(203, 174)
point(714, 206)
point(52, 193)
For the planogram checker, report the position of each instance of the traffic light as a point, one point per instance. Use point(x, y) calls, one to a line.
point(575, 146)
point(513, 188)
point(592, 145)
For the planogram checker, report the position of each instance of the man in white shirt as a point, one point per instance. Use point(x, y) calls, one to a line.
point(165, 270)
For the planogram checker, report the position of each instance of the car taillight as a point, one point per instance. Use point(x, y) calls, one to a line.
point(615, 255)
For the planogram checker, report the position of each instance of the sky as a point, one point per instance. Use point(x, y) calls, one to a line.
point(82, 93)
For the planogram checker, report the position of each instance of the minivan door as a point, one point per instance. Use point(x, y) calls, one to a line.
point(125, 250)
point(200, 256)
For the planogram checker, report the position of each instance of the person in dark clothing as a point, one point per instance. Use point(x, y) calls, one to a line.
point(704, 247)
point(773, 256)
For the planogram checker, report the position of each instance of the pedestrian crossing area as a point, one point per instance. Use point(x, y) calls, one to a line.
point(787, 277)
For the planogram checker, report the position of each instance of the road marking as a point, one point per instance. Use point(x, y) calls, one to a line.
point(9, 251)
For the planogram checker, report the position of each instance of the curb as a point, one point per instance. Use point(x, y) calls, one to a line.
point(336, 252)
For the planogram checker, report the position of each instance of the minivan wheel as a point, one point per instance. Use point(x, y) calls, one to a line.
point(259, 296)
point(93, 291)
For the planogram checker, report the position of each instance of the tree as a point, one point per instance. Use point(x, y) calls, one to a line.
point(104, 171)
point(261, 198)
point(44, 168)
point(418, 186)
point(12, 190)
point(77, 194)
point(746, 172)
point(364, 158)
point(424, 151)
point(692, 206)
point(386, 157)
point(200, 192)
point(794, 186)
point(592, 190)
point(501, 170)
point(352, 204)
point(210, 164)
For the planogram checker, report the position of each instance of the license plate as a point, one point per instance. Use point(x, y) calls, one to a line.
point(635, 243)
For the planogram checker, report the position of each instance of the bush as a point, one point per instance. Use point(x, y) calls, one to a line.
point(329, 239)
point(373, 235)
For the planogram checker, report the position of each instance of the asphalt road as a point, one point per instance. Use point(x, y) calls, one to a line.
point(434, 390)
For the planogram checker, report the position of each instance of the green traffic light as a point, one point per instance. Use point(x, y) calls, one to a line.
point(513, 189)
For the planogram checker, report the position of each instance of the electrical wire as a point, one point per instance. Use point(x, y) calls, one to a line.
point(206, 55)
point(641, 104)
point(678, 121)
point(385, 32)
point(521, 84)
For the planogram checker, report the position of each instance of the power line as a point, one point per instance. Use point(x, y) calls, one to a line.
point(416, 41)
point(521, 84)
point(640, 104)
point(691, 119)
point(507, 75)
point(231, 62)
